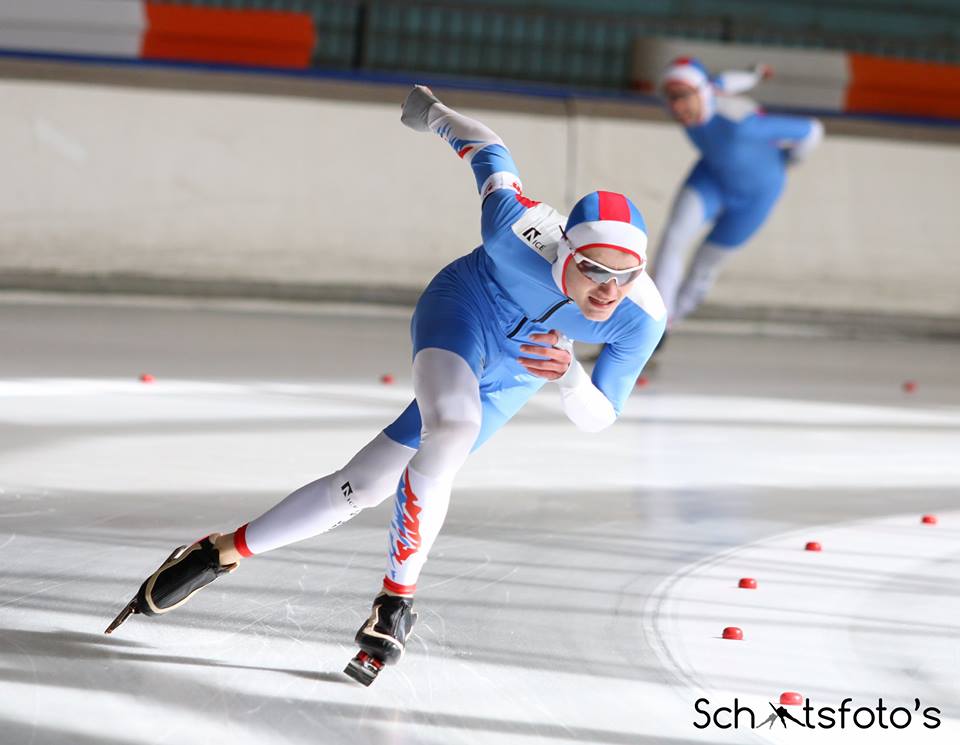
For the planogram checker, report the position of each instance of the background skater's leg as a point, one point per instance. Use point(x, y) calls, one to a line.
point(703, 272)
point(737, 225)
point(686, 221)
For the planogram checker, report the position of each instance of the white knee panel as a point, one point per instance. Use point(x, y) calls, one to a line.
point(448, 395)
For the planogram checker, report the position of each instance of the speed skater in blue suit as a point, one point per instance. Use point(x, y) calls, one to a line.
point(490, 330)
point(733, 187)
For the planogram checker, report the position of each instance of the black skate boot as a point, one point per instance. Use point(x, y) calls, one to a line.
point(382, 637)
point(186, 570)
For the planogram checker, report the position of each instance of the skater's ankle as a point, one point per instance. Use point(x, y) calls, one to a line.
point(227, 550)
point(396, 594)
point(384, 590)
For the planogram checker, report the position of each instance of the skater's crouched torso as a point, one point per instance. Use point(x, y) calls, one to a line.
point(468, 309)
point(485, 305)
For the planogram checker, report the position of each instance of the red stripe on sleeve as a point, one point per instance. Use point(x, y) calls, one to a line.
point(240, 542)
point(613, 206)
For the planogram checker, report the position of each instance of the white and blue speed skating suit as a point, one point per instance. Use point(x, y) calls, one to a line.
point(744, 154)
point(467, 330)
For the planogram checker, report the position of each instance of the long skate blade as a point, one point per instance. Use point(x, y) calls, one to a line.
point(364, 674)
point(128, 610)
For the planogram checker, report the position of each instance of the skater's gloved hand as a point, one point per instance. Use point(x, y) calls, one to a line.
point(550, 361)
point(764, 72)
point(416, 108)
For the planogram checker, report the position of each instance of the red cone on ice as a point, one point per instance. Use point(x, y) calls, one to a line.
point(732, 632)
point(791, 698)
point(386, 378)
point(642, 381)
point(909, 386)
point(146, 378)
point(748, 583)
point(929, 519)
point(813, 546)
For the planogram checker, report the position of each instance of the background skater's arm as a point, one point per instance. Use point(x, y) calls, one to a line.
point(798, 136)
point(800, 149)
point(733, 82)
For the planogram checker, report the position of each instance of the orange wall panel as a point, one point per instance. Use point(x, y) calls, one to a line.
point(218, 35)
point(889, 86)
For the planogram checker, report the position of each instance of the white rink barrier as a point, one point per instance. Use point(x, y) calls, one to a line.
point(106, 27)
point(106, 181)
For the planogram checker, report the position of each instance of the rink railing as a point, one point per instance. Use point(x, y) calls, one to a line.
point(612, 53)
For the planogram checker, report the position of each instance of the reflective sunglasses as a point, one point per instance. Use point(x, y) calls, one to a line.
point(597, 272)
point(674, 96)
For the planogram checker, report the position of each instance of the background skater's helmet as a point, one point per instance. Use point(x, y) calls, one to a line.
point(687, 70)
point(692, 72)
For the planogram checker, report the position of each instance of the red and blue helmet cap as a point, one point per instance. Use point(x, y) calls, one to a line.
point(602, 219)
point(687, 70)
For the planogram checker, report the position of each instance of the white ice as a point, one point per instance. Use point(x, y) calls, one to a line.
point(578, 588)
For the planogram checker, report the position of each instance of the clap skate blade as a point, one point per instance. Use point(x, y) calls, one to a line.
point(363, 668)
point(132, 607)
point(128, 611)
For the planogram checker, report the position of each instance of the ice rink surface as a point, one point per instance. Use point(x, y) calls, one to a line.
point(579, 588)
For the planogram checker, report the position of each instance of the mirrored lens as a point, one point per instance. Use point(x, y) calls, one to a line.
point(602, 276)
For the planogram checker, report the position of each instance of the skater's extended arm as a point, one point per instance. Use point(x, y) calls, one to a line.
point(496, 174)
point(733, 82)
point(621, 361)
point(797, 135)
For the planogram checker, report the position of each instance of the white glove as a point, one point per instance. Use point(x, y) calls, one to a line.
point(416, 108)
point(583, 403)
point(574, 374)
